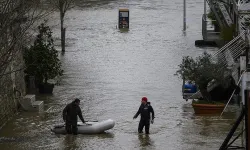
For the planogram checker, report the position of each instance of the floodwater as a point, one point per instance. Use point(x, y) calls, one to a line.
point(111, 70)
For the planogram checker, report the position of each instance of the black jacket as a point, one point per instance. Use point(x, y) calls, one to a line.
point(144, 111)
point(71, 111)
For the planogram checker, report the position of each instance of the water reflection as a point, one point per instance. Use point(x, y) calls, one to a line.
point(145, 140)
point(206, 127)
point(106, 135)
point(81, 141)
point(69, 142)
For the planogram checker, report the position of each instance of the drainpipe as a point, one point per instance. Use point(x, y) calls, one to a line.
point(247, 94)
point(247, 119)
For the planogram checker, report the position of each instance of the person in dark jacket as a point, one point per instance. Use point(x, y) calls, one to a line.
point(144, 110)
point(70, 113)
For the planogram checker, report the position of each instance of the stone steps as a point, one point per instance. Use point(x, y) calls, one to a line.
point(29, 103)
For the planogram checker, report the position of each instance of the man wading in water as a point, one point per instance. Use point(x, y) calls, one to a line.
point(145, 109)
point(70, 113)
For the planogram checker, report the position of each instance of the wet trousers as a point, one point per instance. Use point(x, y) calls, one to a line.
point(71, 127)
point(143, 123)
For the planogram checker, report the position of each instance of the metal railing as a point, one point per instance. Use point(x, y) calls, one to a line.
point(228, 54)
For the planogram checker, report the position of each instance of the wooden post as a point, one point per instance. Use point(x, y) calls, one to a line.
point(205, 10)
point(184, 15)
point(247, 98)
point(247, 119)
point(247, 49)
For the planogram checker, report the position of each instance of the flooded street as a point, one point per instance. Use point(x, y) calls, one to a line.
point(111, 70)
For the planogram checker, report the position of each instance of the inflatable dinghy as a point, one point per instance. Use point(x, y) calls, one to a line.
point(87, 128)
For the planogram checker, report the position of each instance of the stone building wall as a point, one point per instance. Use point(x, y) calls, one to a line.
point(12, 89)
point(12, 85)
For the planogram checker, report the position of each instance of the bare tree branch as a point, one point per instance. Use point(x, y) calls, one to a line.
point(16, 18)
point(62, 5)
point(68, 5)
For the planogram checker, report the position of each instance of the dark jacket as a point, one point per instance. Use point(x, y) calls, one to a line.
point(144, 111)
point(70, 113)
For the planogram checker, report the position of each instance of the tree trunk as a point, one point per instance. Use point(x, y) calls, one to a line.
point(31, 85)
point(63, 31)
point(46, 80)
point(205, 94)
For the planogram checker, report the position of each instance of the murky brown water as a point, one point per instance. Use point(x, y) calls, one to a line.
point(110, 71)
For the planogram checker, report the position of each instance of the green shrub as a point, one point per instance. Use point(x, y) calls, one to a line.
point(41, 59)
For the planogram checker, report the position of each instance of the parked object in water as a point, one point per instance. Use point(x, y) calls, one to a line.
point(123, 18)
point(203, 43)
point(87, 128)
point(190, 88)
point(200, 108)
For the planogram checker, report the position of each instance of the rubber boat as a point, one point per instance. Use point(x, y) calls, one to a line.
point(87, 128)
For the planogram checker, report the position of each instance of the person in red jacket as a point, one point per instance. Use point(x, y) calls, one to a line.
point(70, 113)
point(144, 110)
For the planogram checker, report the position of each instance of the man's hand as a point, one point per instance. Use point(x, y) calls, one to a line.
point(152, 121)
